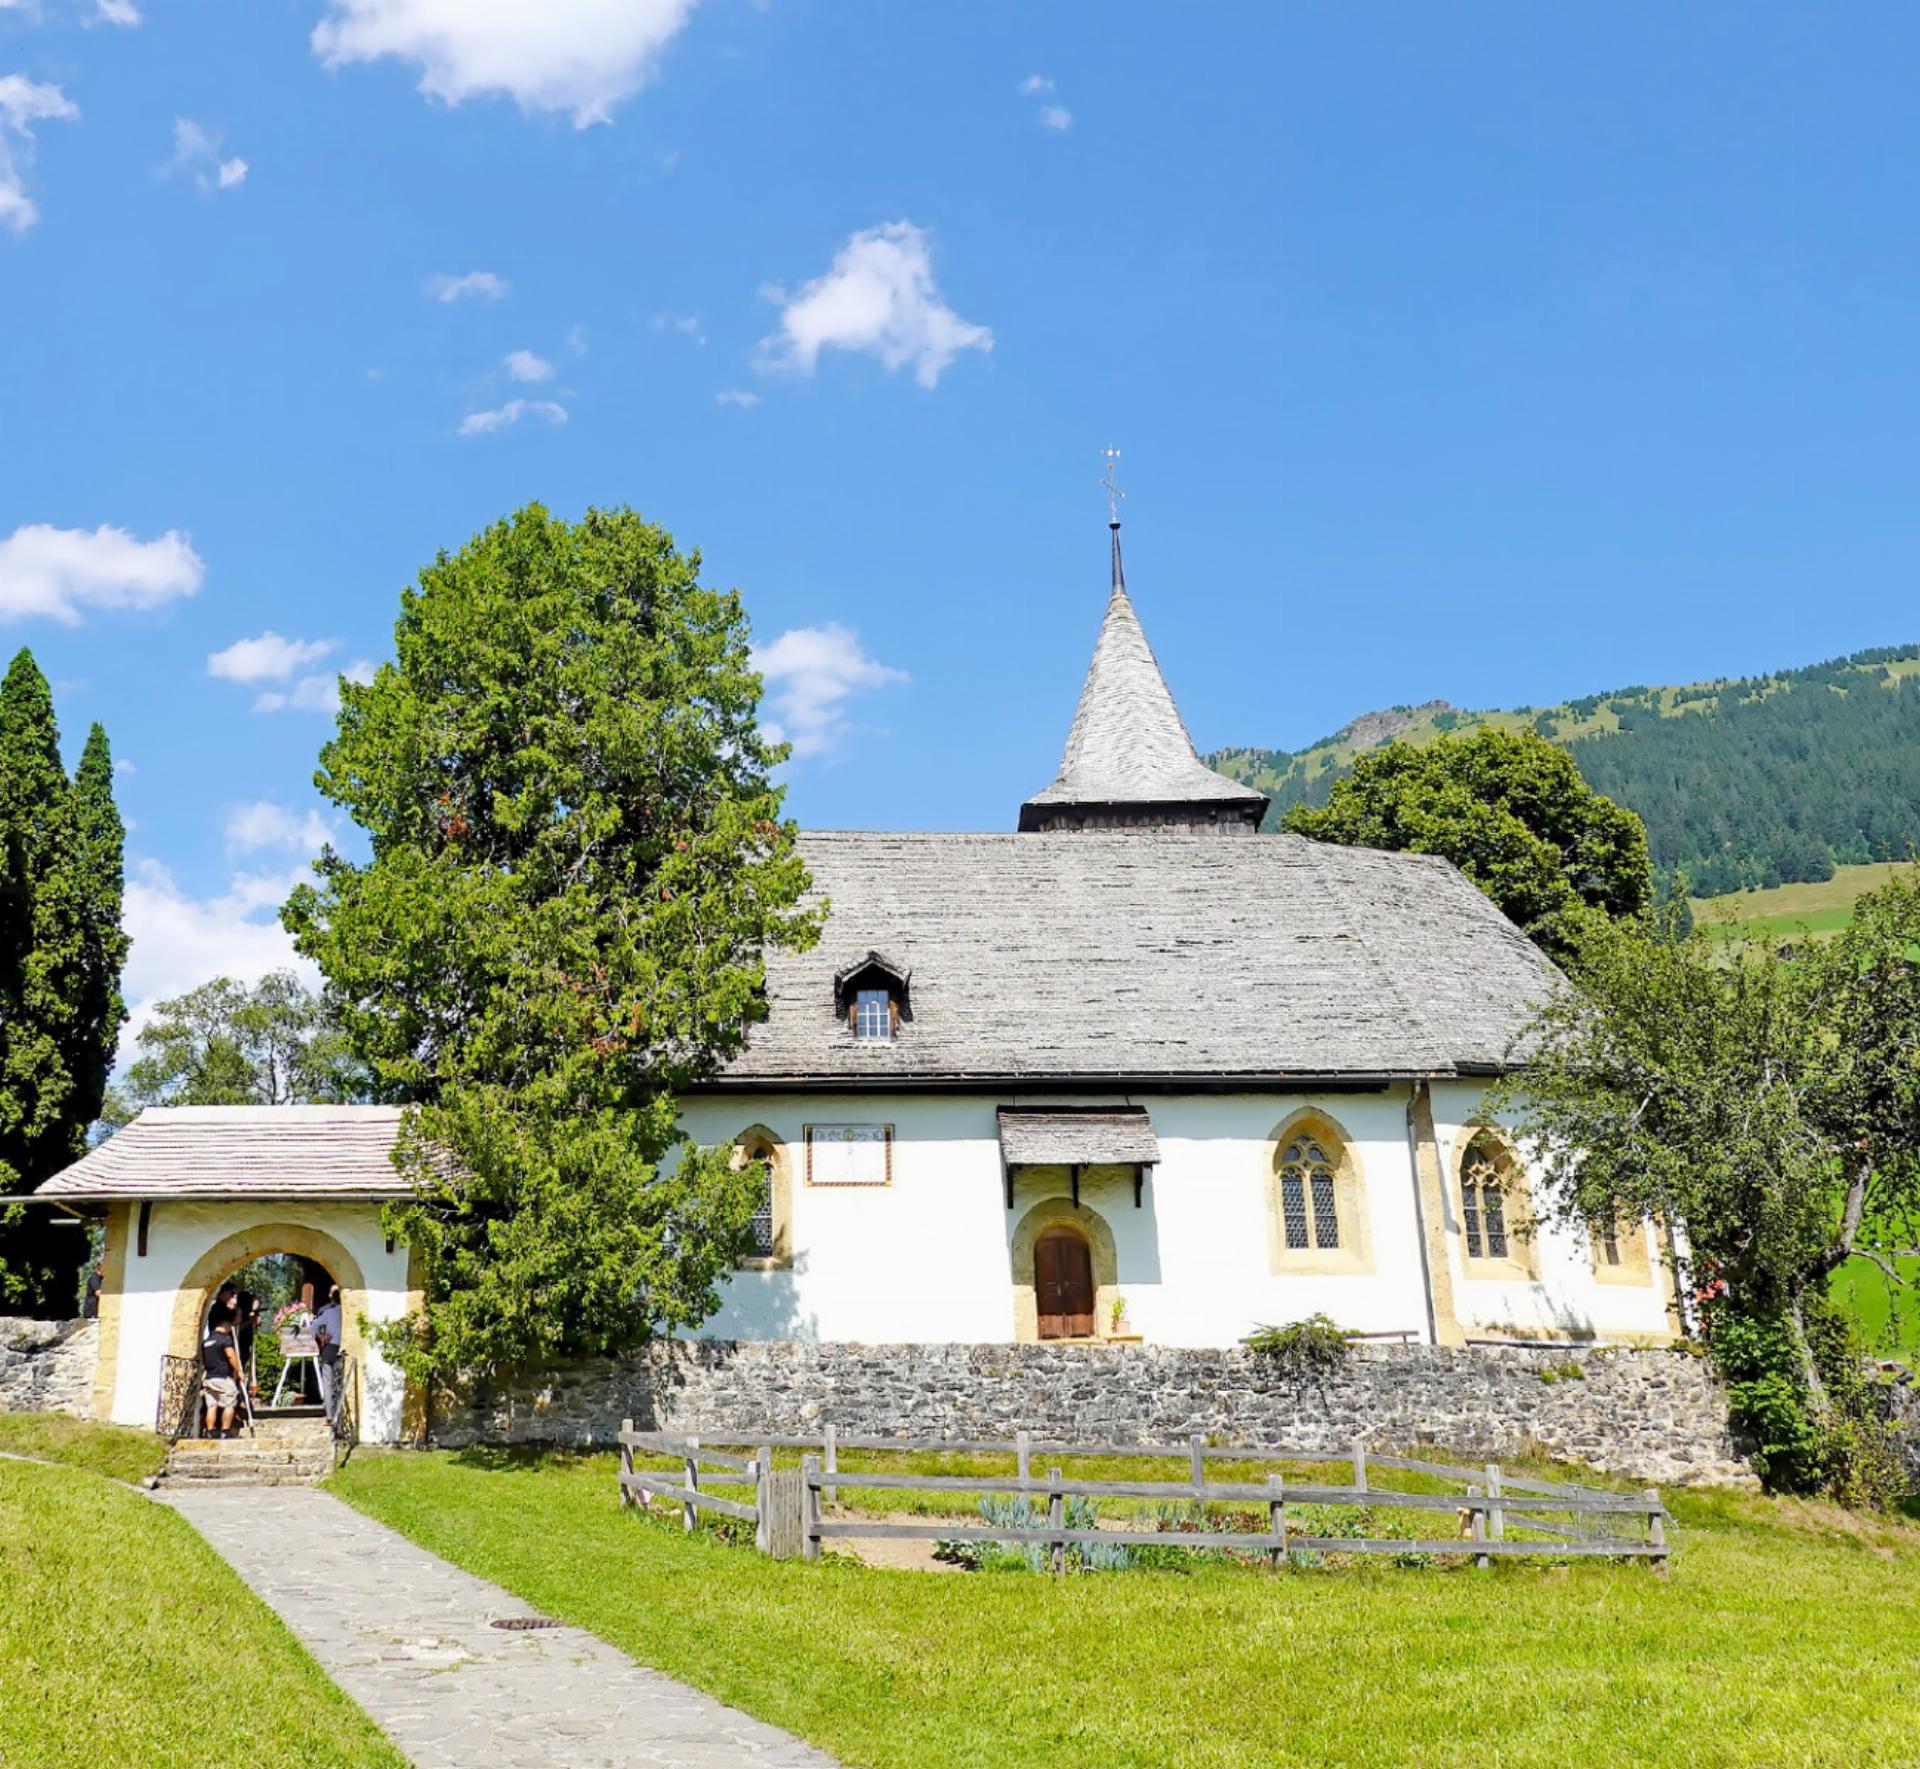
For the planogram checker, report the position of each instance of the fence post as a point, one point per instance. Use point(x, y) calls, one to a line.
point(763, 1498)
point(1277, 1516)
point(1197, 1463)
point(1477, 1527)
point(626, 1464)
point(1360, 1463)
point(1496, 1514)
point(810, 1507)
point(1057, 1520)
point(1657, 1534)
point(1023, 1454)
point(689, 1510)
point(831, 1494)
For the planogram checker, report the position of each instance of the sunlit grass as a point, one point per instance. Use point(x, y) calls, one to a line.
point(1788, 1634)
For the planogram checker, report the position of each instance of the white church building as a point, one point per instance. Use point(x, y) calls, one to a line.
point(1132, 1071)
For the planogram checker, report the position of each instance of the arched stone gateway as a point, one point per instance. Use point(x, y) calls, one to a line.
point(228, 1256)
point(188, 1195)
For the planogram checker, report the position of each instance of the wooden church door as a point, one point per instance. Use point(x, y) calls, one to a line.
point(1063, 1284)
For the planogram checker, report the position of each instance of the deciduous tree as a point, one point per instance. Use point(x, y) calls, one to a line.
point(1511, 811)
point(577, 864)
point(1770, 1102)
point(225, 1044)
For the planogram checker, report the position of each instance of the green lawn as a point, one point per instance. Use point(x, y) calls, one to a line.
point(1823, 908)
point(116, 1450)
point(1889, 1318)
point(1788, 1634)
point(127, 1643)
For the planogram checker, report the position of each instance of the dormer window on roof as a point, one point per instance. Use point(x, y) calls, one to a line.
point(871, 995)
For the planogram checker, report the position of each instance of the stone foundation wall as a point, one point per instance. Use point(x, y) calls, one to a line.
point(47, 1366)
point(1654, 1415)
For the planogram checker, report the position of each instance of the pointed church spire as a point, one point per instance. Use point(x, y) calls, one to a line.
point(1129, 762)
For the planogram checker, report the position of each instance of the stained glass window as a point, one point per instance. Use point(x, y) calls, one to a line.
point(1485, 1178)
point(1309, 1208)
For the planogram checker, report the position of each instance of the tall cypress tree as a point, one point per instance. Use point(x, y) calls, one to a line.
point(102, 860)
point(42, 977)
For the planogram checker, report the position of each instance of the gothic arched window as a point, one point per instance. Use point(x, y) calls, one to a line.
point(1493, 1202)
point(771, 1235)
point(1309, 1198)
point(1316, 1199)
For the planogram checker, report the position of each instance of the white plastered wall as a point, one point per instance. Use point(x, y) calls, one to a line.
point(928, 1258)
point(1568, 1300)
point(179, 1233)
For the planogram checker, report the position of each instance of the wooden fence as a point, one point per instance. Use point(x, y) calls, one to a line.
point(788, 1509)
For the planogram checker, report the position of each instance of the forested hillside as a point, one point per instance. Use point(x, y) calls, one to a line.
point(1758, 781)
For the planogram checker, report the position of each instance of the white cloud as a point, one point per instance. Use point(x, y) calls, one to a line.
point(523, 365)
point(736, 396)
point(582, 57)
point(879, 297)
point(506, 416)
point(685, 325)
point(1034, 84)
point(268, 658)
point(123, 769)
point(116, 12)
point(312, 694)
point(810, 674)
point(196, 155)
point(23, 104)
point(263, 824)
point(1055, 116)
point(476, 285)
point(577, 339)
point(181, 941)
point(58, 573)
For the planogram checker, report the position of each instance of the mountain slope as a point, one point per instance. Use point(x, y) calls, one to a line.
point(1751, 782)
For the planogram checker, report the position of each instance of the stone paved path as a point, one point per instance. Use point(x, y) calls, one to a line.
point(406, 1635)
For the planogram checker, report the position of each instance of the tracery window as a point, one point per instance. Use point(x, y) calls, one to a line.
point(1309, 1207)
point(1487, 1194)
point(769, 1206)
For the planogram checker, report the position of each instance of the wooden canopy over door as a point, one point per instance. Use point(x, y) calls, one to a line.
point(1063, 1284)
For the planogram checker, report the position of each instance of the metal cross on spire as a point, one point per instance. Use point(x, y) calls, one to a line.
point(1110, 479)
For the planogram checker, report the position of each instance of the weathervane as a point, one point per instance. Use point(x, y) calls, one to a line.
point(1110, 480)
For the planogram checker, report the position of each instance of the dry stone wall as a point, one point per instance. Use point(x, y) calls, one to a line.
point(47, 1366)
point(1653, 1415)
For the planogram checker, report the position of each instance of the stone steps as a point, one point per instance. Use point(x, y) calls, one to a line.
point(282, 1452)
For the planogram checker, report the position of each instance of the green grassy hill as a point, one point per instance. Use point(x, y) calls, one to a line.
point(1745, 784)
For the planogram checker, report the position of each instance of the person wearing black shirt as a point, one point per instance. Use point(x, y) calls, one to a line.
point(90, 1309)
point(219, 1371)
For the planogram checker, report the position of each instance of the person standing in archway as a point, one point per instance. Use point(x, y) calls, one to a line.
point(326, 1335)
point(220, 1374)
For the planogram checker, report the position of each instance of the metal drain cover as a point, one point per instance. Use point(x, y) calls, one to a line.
point(519, 1624)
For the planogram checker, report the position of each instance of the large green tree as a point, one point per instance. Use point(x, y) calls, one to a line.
point(1511, 811)
point(226, 1044)
point(1769, 1101)
point(61, 951)
point(577, 864)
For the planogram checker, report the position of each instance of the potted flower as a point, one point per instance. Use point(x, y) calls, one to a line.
point(1118, 1326)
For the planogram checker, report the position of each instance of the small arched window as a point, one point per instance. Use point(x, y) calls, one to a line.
point(1316, 1200)
point(1493, 1200)
point(1309, 1201)
point(772, 1201)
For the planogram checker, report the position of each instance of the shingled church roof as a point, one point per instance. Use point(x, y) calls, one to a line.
point(1147, 955)
point(1128, 745)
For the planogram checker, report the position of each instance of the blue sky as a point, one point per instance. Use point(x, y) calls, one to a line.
point(1494, 351)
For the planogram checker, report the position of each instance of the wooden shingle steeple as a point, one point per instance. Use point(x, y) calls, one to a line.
point(1129, 762)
